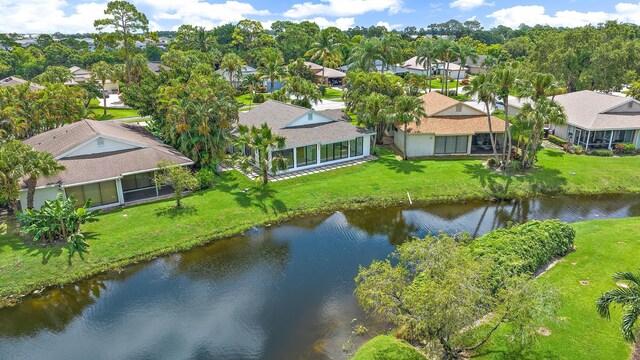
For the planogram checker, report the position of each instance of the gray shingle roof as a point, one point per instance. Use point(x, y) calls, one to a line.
point(277, 115)
point(586, 109)
point(15, 81)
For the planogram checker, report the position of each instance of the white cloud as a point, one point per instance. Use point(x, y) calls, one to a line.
point(343, 8)
point(49, 16)
point(469, 4)
point(536, 14)
point(201, 13)
point(342, 23)
point(388, 26)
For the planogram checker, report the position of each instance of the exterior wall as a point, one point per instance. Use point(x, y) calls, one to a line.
point(475, 70)
point(93, 147)
point(513, 111)
point(111, 87)
point(418, 145)
point(454, 74)
point(40, 196)
point(561, 131)
point(315, 119)
point(464, 110)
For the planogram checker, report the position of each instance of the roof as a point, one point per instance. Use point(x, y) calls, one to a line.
point(15, 81)
point(313, 66)
point(413, 64)
point(329, 73)
point(586, 109)
point(435, 103)
point(245, 70)
point(76, 70)
point(278, 115)
point(155, 67)
point(336, 114)
point(94, 167)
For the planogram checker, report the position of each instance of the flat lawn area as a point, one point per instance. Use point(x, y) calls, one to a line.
point(603, 247)
point(332, 94)
point(245, 99)
point(112, 113)
point(156, 228)
point(388, 348)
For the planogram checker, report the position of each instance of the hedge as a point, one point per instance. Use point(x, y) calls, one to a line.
point(602, 152)
point(523, 249)
point(557, 140)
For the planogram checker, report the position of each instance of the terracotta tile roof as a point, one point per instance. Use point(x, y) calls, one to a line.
point(457, 125)
point(434, 102)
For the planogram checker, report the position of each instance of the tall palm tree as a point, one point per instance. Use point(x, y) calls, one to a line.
point(505, 78)
point(406, 110)
point(465, 52)
point(272, 69)
point(35, 165)
point(626, 297)
point(445, 50)
point(232, 64)
point(101, 72)
point(544, 111)
point(324, 48)
point(484, 89)
point(426, 53)
point(373, 112)
point(260, 141)
point(253, 82)
point(390, 50)
point(365, 55)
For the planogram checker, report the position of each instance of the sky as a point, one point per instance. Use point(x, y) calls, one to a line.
point(72, 16)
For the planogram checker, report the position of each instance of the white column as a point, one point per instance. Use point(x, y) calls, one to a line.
point(470, 139)
point(295, 157)
point(611, 140)
point(586, 146)
point(318, 153)
point(119, 191)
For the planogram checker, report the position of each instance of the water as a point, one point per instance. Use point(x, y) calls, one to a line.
point(283, 292)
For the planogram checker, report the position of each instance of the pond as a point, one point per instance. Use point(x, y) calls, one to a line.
point(280, 292)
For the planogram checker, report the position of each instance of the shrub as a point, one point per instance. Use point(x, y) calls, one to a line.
point(523, 249)
point(602, 152)
point(515, 154)
point(515, 166)
point(387, 347)
point(624, 148)
point(492, 163)
point(261, 89)
point(557, 140)
point(323, 89)
point(574, 149)
point(205, 178)
point(258, 98)
point(465, 81)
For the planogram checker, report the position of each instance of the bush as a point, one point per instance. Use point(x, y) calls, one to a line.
point(465, 81)
point(624, 148)
point(574, 149)
point(515, 166)
point(557, 140)
point(205, 178)
point(523, 249)
point(323, 89)
point(602, 152)
point(258, 98)
point(492, 163)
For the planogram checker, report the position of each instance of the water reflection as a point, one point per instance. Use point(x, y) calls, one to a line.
point(282, 292)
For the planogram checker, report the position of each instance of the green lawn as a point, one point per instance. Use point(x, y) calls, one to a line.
point(387, 348)
point(245, 99)
point(332, 94)
point(112, 113)
point(153, 229)
point(602, 248)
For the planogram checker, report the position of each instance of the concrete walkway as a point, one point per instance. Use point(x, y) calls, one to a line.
point(254, 175)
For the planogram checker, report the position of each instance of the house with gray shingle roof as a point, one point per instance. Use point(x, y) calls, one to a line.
point(110, 162)
point(597, 120)
point(15, 81)
point(312, 138)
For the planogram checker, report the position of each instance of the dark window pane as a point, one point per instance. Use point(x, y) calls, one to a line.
point(128, 182)
point(92, 191)
point(301, 157)
point(77, 192)
point(312, 153)
point(359, 149)
point(108, 192)
point(440, 144)
point(463, 142)
point(450, 146)
point(352, 148)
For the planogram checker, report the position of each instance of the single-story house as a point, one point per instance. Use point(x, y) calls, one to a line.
point(81, 75)
point(238, 77)
point(332, 76)
point(450, 128)
point(596, 120)
point(454, 71)
point(15, 81)
point(312, 138)
point(414, 67)
point(475, 67)
point(394, 69)
point(156, 67)
point(109, 162)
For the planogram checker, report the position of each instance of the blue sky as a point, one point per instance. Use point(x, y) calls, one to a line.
point(31, 16)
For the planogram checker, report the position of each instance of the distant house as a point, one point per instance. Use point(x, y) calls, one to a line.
point(332, 76)
point(81, 75)
point(15, 81)
point(418, 68)
point(110, 162)
point(475, 67)
point(237, 78)
point(453, 71)
point(450, 128)
point(596, 120)
point(156, 67)
point(380, 67)
point(312, 138)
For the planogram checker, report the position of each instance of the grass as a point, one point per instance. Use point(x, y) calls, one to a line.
point(603, 247)
point(96, 107)
point(388, 348)
point(155, 229)
point(332, 94)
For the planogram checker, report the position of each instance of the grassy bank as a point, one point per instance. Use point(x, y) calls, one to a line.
point(142, 232)
point(388, 348)
point(603, 247)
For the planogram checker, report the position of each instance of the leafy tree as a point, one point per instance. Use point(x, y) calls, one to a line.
point(373, 111)
point(391, 51)
point(484, 89)
point(324, 48)
point(298, 68)
point(406, 110)
point(102, 72)
point(505, 80)
point(232, 64)
point(257, 146)
point(304, 91)
point(447, 52)
point(536, 115)
point(628, 298)
point(359, 84)
point(634, 90)
point(178, 177)
point(128, 25)
point(54, 75)
point(189, 37)
point(364, 55)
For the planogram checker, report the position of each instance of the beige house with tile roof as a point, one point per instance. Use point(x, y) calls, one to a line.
point(599, 121)
point(109, 162)
point(450, 128)
point(312, 138)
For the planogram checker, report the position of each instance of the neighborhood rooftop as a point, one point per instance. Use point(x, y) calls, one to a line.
point(591, 110)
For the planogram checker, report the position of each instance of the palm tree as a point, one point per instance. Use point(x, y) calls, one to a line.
point(252, 82)
point(464, 52)
point(365, 55)
point(445, 50)
point(304, 91)
point(426, 53)
point(482, 87)
point(406, 110)
point(260, 141)
point(544, 111)
point(373, 112)
point(325, 47)
point(36, 164)
point(504, 79)
point(628, 297)
point(102, 71)
point(232, 64)
point(272, 69)
point(390, 50)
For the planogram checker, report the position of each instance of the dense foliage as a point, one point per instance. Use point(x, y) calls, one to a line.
point(178, 177)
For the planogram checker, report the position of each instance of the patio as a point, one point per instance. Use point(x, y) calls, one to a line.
point(604, 139)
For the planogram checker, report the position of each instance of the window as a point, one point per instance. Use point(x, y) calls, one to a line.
point(355, 147)
point(335, 151)
point(306, 155)
point(137, 181)
point(286, 154)
point(451, 144)
point(99, 193)
point(458, 107)
point(310, 116)
point(623, 136)
point(100, 142)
